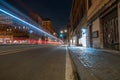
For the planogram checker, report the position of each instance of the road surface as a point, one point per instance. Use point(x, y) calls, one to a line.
point(41, 63)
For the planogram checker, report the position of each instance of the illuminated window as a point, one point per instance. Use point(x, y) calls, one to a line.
point(10, 30)
point(7, 29)
point(1, 40)
point(23, 27)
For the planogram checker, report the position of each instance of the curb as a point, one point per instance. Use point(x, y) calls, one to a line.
point(69, 74)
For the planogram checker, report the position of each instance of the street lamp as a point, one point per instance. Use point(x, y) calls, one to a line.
point(65, 31)
point(61, 31)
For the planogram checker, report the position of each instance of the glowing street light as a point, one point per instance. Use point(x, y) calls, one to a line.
point(61, 31)
point(65, 31)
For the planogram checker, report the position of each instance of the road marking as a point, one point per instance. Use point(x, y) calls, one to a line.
point(15, 51)
point(19, 50)
point(69, 71)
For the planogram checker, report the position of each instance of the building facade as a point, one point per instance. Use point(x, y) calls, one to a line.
point(77, 21)
point(103, 24)
point(44, 24)
point(10, 32)
point(47, 25)
point(101, 19)
point(36, 17)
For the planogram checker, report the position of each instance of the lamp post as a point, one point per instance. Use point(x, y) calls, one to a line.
point(63, 34)
point(61, 31)
point(65, 30)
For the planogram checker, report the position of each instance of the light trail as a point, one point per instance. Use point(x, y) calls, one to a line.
point(34, 27)
point(15, 12)
point(21, 20)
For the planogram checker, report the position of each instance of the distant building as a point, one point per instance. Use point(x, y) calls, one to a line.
point(47, 25)
point(44, 24)
point(5, 19)
point(37, 18)
point(11, 32)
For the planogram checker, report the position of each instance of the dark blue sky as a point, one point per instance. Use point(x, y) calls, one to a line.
point(56, 10)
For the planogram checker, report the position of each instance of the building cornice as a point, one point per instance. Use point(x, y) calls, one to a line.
point(100, 11)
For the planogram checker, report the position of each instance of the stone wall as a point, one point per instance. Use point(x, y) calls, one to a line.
point(96, 28)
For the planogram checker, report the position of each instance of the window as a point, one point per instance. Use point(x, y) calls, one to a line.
point(89, 3)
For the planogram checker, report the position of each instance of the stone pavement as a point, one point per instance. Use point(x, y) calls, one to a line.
point(96, 64)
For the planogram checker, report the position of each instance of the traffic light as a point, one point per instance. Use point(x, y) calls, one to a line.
point(61, 35)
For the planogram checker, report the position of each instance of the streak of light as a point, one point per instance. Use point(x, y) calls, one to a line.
point(14, 13)
point(5, 12)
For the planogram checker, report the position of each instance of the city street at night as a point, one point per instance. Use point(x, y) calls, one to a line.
point(59, 39)
point(48, 62)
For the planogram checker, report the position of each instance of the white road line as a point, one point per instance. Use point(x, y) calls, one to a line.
point(69, 71)
point(15, 51)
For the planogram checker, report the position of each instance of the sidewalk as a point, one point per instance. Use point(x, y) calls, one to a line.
point(110, 51)
point(96, 64)
point(100, 49)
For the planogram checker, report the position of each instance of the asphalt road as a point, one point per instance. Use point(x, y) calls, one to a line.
point(41, 63)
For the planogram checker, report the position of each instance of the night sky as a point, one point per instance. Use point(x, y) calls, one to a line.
point(56, 10)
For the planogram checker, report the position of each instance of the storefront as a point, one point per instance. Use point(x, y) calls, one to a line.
point(110, 29)
point(82, 40)
point(6, 39)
